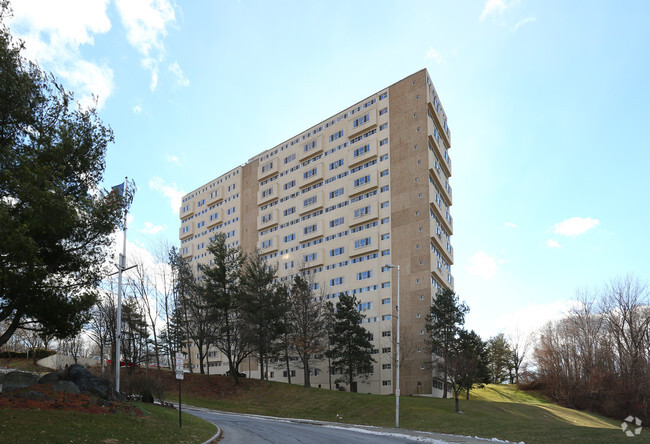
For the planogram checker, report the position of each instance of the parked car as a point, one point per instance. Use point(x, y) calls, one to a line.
point(122, 363)
point(241, 375)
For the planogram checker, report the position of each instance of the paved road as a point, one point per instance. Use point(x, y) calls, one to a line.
point(240, 428)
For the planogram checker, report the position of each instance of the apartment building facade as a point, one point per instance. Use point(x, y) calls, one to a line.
point(365, 188)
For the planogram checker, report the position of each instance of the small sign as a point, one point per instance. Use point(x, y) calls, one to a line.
point(397, 392)
point(179, 365)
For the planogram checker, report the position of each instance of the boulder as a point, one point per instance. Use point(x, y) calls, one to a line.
point(17, 380)
point(65, 387)
point(34, 396)
point(50, 378)
point(87, 382)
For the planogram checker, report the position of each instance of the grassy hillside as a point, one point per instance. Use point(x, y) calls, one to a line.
point(497, 411)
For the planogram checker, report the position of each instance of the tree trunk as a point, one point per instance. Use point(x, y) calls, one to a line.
point(467, 395)
point(286, 357)
point(456, 402)
point(307, 380)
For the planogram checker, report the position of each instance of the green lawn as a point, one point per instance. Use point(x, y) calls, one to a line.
point(497, 411)
point(54, 426)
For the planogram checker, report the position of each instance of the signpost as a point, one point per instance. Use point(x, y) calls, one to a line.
point(179, 376)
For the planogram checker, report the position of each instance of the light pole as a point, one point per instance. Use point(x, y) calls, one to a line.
point(396, 352)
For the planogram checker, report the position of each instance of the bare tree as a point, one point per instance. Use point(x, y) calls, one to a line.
point(519, 344)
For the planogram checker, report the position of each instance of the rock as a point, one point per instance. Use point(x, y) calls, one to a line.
point(50, 378)
point(66, 387)
point(87, 382)
point(17, 380)
point(34, 396)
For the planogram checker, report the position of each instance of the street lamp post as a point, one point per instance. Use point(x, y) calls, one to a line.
point(396, 352)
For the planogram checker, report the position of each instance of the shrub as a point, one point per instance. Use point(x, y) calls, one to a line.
point(144, 388)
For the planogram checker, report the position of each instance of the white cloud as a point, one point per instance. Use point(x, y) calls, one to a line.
point(173, 159)
point(575, 226)
point(137, 109)
point(176, 70)
point(531, 318)
point(146, 23)
point(523, 22)
point(434, 55)
point(552, 244)
point(510, 224)
point(153, 229)
point(492, 7)
point(53, 33)
point(170, 191)
point(482, 265)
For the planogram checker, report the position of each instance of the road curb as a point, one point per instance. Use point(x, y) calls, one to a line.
point(215, 438)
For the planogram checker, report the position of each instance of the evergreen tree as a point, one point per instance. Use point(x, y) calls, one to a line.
point(443, 324)
point(263, 304)
point(56, 224)
point(351, 347)
point(222, 283)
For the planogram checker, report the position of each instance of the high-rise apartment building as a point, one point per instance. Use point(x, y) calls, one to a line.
point(367, 187)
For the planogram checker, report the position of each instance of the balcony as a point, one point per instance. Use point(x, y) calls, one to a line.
point(362, 182)
point(360, 244)
point(215, 219)
point(312, 176)
point(363, 217)
point(267, 193)
point(215, 196)
point(311, 202)
point(189, 231)
point(360, 122)
point(310, 148)
point(268, 168)
point(371, 152)
point(268, 219)
point(268, 244)
point(308, 232)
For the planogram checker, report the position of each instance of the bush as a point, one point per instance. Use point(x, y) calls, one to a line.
point(39, 353)
point(144, 388)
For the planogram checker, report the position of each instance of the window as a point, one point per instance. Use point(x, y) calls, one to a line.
point(309, 146)
point(336, 135)
point(335, 222)
point(385, 366)
point(308, 174)
point(337, 251)
point(336, 164)
point(385, 188)
point(383, 142)
point(385, 236)
point(267, 167)
point(361, 150)
point(385, 252)
point(360, 121)
point(383, 126)
point(362, 242)
point(336, 193)
point(382, 96)
point(200, 224)
point(293, 373)
point(267, 217)
point(385, 382)
point(385, 318)
point(289, 158)
point(362, 211)
point(267, 243)
point(362, 180)
point(365, 307)
point(289, 237)
point(310, 229)
point(289, 211)
point(288, 265)
point(337, 281)
point(383, 157)
point(310, 257)
point(289, 185)
point(383, 111)
point(267, 192)
point(385, 204)
point(385, 350)
point(201, 203)
point(385, 220)
point(384, 302)
point(364, 275)
point(385, 285)
point(310, 201)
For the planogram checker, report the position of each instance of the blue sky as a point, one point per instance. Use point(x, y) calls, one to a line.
point(547, 104)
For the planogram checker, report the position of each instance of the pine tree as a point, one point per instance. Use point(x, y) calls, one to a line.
point(351, 347)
